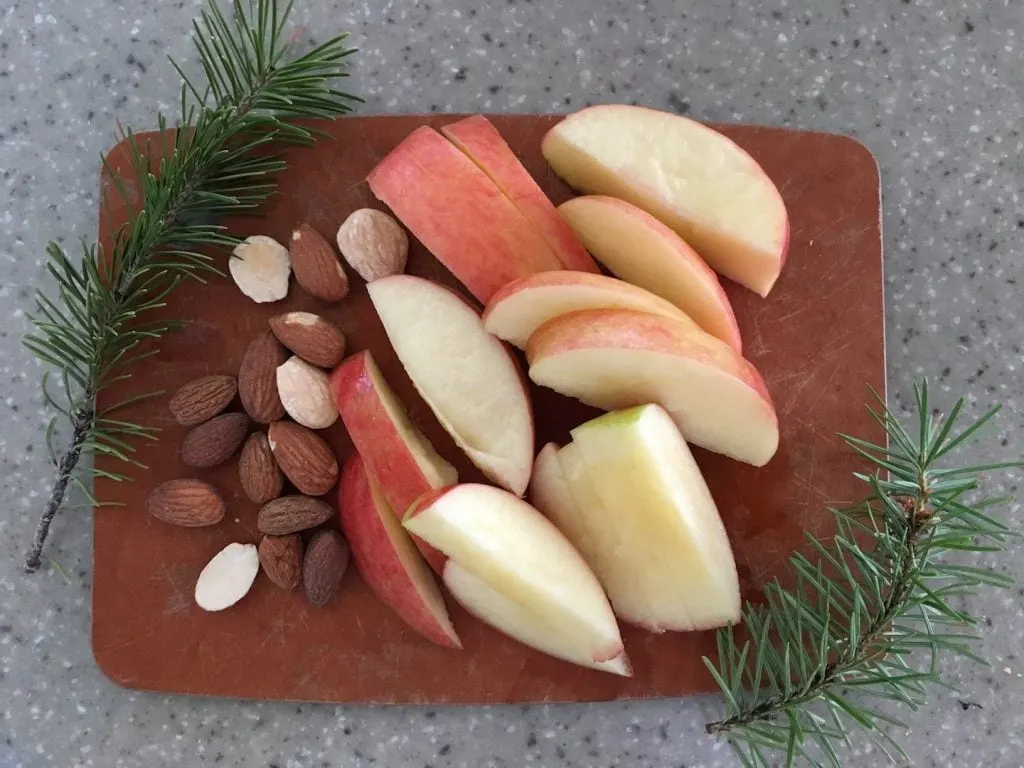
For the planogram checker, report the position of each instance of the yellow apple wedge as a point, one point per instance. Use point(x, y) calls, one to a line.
point(484, 145)
point(691, 177)
point(468, 378)
point(617, 358)
point(641, 250)
point(511, 567)
point(387, 558)
point(522, 306)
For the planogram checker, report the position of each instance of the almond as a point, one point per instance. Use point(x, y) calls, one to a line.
point(373, 243)
point(260, 267)
point(317, 341)
point(228, 577)
point(257, 378)
point(305, 392)
point(317, 268)
point(281, 558)
point(201, 399)
point(305, 458)
point(291, 514)
point(185, 502)
point(214, 441)
point(258, 472)
point(324, 566)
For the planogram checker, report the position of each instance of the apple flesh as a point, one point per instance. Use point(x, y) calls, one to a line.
point(522, 306)
point(630, 497)
point(641, 250)
point(467, 377)
point(477, 137)
point(509, 566)
point(387, 558)
point(691, 177)
point(459, 214)
point(617, 358)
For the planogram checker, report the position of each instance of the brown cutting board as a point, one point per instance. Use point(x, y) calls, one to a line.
point(818, 340)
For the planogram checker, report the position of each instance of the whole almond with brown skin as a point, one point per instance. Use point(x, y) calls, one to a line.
point(291, 514)
point(323, 566)
point(258, 472)
point(281, 558)
point(305, 458)
point(316, 267)
point(257, 378)
point(186, 502)
point(215, 441)
point(317, 341)
point(201, 399)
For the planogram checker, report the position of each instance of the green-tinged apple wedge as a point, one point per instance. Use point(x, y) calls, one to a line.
point(617, 358)
point(467, 377)
point(629, 495)
point(512, 568)
point(484, 145)
point(399, 457)
point(387, 558)
point(691, 177)
point(459, 214)
point(641, 250)
point(522, 306)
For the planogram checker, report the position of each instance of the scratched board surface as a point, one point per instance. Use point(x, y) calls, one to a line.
point(817, 339)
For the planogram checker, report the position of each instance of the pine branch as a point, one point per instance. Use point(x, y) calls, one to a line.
point(825, 652)
point(214, 162)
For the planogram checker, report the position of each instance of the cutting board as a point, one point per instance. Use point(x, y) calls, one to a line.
point(818, 339)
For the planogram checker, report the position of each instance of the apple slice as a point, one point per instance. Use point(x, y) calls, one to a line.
point(483, 144)
point(629, 495)
point(522, 306)
point(690, 176)
point(467, 377)
point(617, 358)
point(387, 558)
point(459, 214)
point(512, 568)
point(641, 250)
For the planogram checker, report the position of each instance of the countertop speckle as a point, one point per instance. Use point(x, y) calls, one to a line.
point(932, 87)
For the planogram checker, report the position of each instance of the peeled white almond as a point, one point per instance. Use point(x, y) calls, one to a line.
point(305, 393)
point(260, 267)
point(226, 579)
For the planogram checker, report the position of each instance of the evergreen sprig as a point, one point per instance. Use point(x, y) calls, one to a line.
point(220, 158)
point(869, 610)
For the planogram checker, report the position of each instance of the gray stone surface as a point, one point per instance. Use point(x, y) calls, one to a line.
point(933, 88)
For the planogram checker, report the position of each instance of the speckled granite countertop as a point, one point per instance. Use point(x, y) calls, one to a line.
point(932, 87)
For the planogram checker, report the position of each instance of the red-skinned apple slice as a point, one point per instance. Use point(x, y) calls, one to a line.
point(484, 145)
point(512, 568)
point(387, 558)
point(468, 378)
point(617, 358)
point(459, 214)
point(691, 177)
point(641, 250)
point(522, 306)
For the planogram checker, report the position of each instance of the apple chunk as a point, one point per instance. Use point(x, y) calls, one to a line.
point(459, 214)
point(387, 559)
point(617, 358)
point(466, 376)
point(690, 176)
point(483, 144)
point(522, 306)
point(641, 250)
point(512, 568)
point(629, 495)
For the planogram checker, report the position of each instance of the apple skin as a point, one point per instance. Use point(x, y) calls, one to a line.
point(484, 145)
point(387, 558)
point(694, 179)
point(639, 249)
point(618, 358)
point(459, 214)
point(522, 306)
